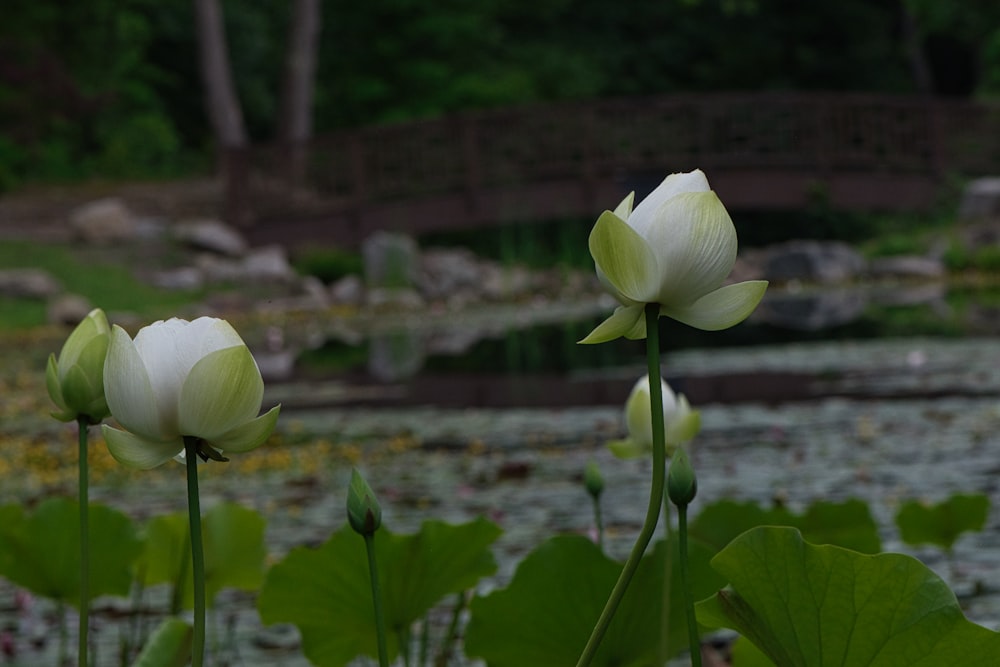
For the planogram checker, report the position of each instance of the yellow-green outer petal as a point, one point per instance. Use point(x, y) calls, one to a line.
point(52, 383)
point(624, 258)
point(250, 435)
point(621, 322)
point(138, 452)
point(721, 309)
point(128, 390)
point(222, 391)
point(78, 391)
point(628, 449)
point(94, 324)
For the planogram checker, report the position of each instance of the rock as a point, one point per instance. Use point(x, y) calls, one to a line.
point(906, 266)
point(28, 283)
point(391, 260)
point(103, 221)
point(268, 264)
point(182, 278)
point(445, 272)
point(219, 269)
point(213, 236)
point(825, 262)
point(348, 291)
point(68, 309)
point(980, 199)
point(812, 311)
point(499, 283)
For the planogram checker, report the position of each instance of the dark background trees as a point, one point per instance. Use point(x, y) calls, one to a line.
point(113, 88)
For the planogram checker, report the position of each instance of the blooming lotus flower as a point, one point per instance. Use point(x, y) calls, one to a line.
point(75, 380)
point(674, 249)
point(680, 422)
point(182, 379)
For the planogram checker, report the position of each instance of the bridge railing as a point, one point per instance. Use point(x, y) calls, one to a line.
point(594, 142)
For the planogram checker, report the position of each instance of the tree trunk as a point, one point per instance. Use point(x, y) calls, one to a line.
point(300, 72)
point(223, 107)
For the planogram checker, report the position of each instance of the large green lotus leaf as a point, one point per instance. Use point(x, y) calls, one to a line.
point(942, 524)
point(326, 592)
point(743, 653)
point(234, 550)
point(559, 591)
point(818, 606)
point(848, 524)
point(169, 646)
point(41, 550)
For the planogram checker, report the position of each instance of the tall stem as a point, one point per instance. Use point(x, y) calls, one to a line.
point(84, 491)
point(668, 572)
point(383, 654)
point(693, 639)
point(197, 551)
point(655, 494)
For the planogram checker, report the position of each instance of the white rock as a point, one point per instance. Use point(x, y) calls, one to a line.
point(103, 221)
point(28, 283)
point(211, 235)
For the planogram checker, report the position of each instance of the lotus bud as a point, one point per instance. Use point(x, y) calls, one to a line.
point(75, 379)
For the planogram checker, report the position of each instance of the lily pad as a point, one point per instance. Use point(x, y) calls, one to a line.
point(942, 524)
point(847, 524)
point(326, 592)
point(234, 548)
point(41, 550)
point(810, 606)
point(557, 595)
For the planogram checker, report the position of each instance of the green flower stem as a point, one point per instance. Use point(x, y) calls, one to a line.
point(197, 551)
point(599, 523)
point(451, 637)
point(655, 493)
point(668, 571)
point(383, 653)
point(84, 490)
point(694, 640)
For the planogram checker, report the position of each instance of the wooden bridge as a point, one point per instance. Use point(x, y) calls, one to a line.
point(760, 151)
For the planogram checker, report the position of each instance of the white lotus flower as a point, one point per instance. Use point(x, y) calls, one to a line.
point(675, 249)
point(182, 379)
point(680, 422)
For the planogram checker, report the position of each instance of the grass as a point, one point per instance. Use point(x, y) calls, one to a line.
point(100, 275)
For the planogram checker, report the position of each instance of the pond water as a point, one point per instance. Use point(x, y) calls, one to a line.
point(498, 417)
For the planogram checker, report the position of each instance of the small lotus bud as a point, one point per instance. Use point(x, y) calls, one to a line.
point(592, 479)
point(682, 485)
point(363, 510)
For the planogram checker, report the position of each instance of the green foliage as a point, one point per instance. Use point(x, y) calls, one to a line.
point(40, 550)
point(806, 605)
point(943, 523)
point(169, 645)
point(234, 552)
point(328, 264)
point(848, 524)
point(557, 594)
point(326, 593)
point(104, 280)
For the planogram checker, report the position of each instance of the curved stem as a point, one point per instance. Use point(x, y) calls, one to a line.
point(383, 654)
point(693, 639)
point(655, 493)
point(84, 491)
point(197, 551)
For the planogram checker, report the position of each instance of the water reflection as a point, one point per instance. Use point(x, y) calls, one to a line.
point(504, 361)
